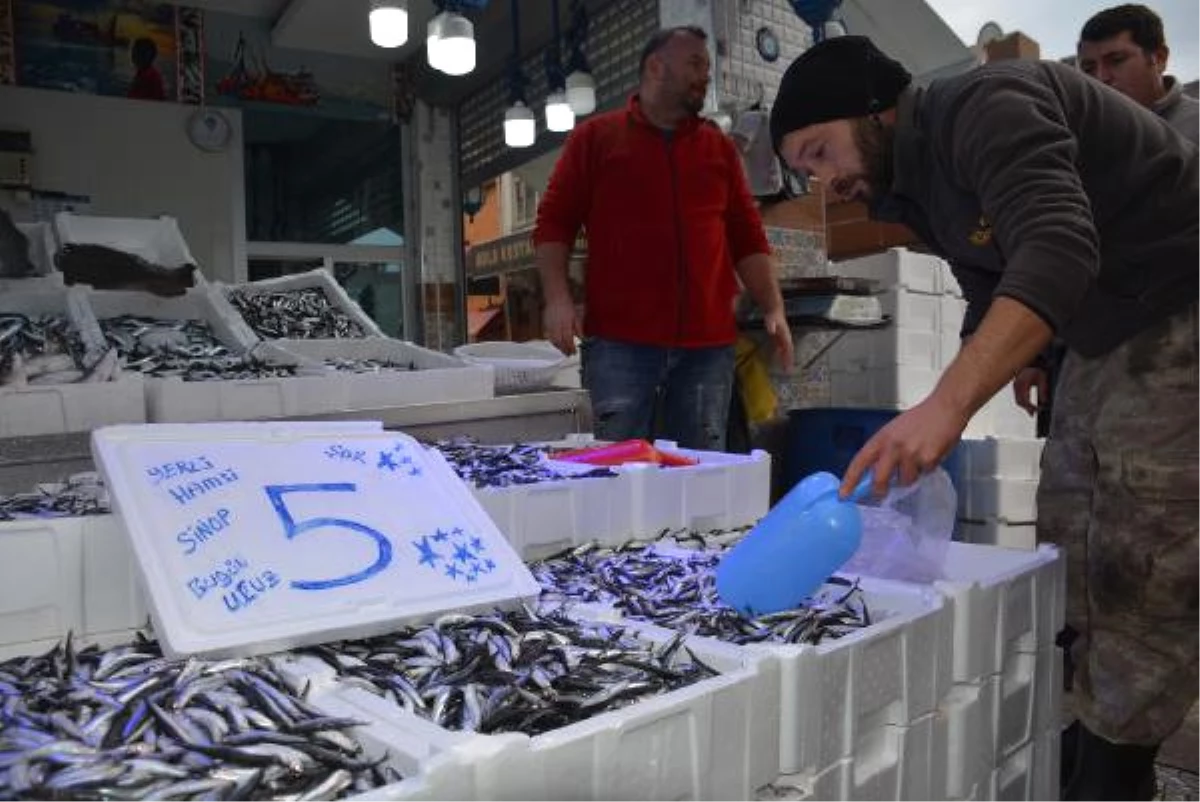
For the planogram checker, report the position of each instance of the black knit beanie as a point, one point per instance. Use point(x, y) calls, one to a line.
point(838, 78)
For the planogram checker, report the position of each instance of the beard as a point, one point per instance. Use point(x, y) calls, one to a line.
point(874, 142)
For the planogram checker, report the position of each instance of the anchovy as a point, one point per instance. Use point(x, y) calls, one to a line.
point(187, 349)
point(109, 724)
point(42, 349)
point(504, 465)
point(557, 671)
point(82, 494)
point(677, 589)
point(301, 314)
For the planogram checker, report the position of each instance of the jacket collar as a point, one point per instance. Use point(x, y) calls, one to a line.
point(634, 114)
point(909, 157)
point(1163, 106)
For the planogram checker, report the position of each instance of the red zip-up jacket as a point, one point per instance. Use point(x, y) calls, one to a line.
point(667, 218)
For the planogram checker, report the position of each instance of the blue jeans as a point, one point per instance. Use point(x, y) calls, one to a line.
point(628, 382)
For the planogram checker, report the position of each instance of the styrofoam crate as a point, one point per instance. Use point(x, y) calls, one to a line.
point(1003, 601)
point(1002, 457)
point(833, 694)
point(195, 304)
point(896, 267)
point(889, 387)
point(319, 278)
point(723, 491)
point(62, 408)
point(42, 247)
point(1047, 769)
point(691, 743)
point(863, 350)
point(994, 532)
point(1014, 778)
point(950, 285)
point(1026, 698)
point(435, 377)
point(1007, 500)
point(964, 746)
point(1001, 417)
point(953, 311)
point(889, 763)
point(157, 240)
point(114, 599)
point(951, 345)
point(913, 310)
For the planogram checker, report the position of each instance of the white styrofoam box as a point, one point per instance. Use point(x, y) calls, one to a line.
point(42, 247)
point(951, 345)
point(66, 575)
point(1047, 756)
point(1026, 698)
point(1001, 417)
point(952, 313)
point(197, 303)
point(964, 747)
point(913, 310)
point(877, 348)
point(62, 408)
point(157, 240)
point(994, 532)
point(896, 267)
point(950, 285)
point(691, 743)
point(830, 783)
point(1008, 500)
point(1015, 777)
point(319, 278)
point(1003, 457)
point(436, 377)
point(1003, 601)
point(723, 491)
point(890, 387)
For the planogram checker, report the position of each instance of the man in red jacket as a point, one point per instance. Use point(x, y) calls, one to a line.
point(671, 227)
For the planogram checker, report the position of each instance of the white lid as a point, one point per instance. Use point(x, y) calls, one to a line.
point(258, 539)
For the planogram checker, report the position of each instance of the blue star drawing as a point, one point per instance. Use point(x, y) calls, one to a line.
point(386, 462)
point(428, 555)
point(462, 557)
point(414, 471)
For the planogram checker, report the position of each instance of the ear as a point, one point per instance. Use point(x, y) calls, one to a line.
point(1159, 58)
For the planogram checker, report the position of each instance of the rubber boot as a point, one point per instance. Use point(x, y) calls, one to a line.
point(1068, 748)
point(1107, 770)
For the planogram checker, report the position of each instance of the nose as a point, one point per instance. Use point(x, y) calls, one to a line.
point(1105, 75)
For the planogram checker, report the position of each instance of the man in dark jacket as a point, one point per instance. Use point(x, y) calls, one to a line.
point(671, 227)
point(1068, 211)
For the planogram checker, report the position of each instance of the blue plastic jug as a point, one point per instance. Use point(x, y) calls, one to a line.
point(798, 545)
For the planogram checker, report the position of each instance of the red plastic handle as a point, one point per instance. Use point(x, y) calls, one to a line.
point(623, 452)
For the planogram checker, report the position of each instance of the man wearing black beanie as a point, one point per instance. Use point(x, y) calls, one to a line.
point(1065, 209)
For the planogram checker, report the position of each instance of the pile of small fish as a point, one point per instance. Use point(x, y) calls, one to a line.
point(300, 314)
point(43, 350)
point(80, 494)
point(678, 590)
point(515, 671)
point(503, 466)
point(184, 348)
point(366, 365)
point(127, 723)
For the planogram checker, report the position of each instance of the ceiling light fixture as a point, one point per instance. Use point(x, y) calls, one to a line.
point(388, 20)
point(450, 41)
point(581, 86)
point(520, 125)
point(559, 115)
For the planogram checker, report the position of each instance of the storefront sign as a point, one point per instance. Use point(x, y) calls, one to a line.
point(509, 254)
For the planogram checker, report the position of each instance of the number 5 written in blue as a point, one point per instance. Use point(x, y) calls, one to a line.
point(292, 529)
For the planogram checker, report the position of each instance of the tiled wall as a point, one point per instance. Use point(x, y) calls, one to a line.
point(743, 76)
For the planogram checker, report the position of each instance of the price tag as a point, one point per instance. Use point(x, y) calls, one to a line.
point(257, 539)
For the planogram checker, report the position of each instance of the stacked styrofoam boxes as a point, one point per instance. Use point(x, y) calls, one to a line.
point(1002, 712)
point(319, 279)
point(42, 247)
point(898, 366)
point(703, 741)
point(172, 400)
point(722, 491)
point(434, 378)
point(157, 240)
point(66, 575)
point(62, 408)
point(997, 499)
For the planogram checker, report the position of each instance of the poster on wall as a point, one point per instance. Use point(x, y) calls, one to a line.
point(189, 38)
point(244, 68)
point(102, 47)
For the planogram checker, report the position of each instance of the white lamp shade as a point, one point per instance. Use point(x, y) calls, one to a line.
point(559, 116)
point(581, 93)
point(450, 44)
point(389, 22)
point(520, 126)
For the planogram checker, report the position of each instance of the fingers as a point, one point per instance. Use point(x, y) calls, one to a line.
point(1043, 387)
point(864, 459)
point(781, 333)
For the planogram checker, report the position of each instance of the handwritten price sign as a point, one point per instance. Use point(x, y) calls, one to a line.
point(253, 540)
